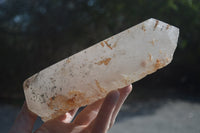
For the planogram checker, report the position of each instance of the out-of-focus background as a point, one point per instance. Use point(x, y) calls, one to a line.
point(37, 33)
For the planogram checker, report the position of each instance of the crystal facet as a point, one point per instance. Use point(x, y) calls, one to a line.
point(110, 64)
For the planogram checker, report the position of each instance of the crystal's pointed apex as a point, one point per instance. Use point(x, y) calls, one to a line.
point(157, 25)
point(151, 19)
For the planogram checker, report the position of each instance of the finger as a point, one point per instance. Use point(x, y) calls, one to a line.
point(103, 118)
point(24, 121)
point(59, 124)
point(124, 92)
point(88, 114)
point(67, 117)
point(54, 126)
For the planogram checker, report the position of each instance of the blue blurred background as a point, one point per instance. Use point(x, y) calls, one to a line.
point(35, 34)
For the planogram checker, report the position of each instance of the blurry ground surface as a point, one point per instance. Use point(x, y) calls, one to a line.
point(152, 116)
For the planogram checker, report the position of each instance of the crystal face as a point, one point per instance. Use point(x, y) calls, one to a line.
point(110, 64)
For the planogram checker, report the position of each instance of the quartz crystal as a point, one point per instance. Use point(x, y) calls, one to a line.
point(110, 64)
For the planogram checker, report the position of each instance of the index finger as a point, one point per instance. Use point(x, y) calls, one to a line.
point(102, 121)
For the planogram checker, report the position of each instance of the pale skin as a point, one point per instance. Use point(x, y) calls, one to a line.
point(95, 118)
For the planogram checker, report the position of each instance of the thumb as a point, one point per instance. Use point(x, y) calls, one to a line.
point(24, 121)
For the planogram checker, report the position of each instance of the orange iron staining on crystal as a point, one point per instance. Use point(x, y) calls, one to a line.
point(104, 61)
point(102, 44)
point(156, 24)
point(108, 45)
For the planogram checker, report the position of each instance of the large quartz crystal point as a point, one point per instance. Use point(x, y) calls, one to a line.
point(110, 64)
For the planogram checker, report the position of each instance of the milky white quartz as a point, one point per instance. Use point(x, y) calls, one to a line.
point(110, 64)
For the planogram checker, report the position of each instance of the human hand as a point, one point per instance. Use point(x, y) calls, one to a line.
point(95, 118)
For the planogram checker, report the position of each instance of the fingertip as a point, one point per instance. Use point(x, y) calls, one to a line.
point(126, 90)
point(131, 86)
